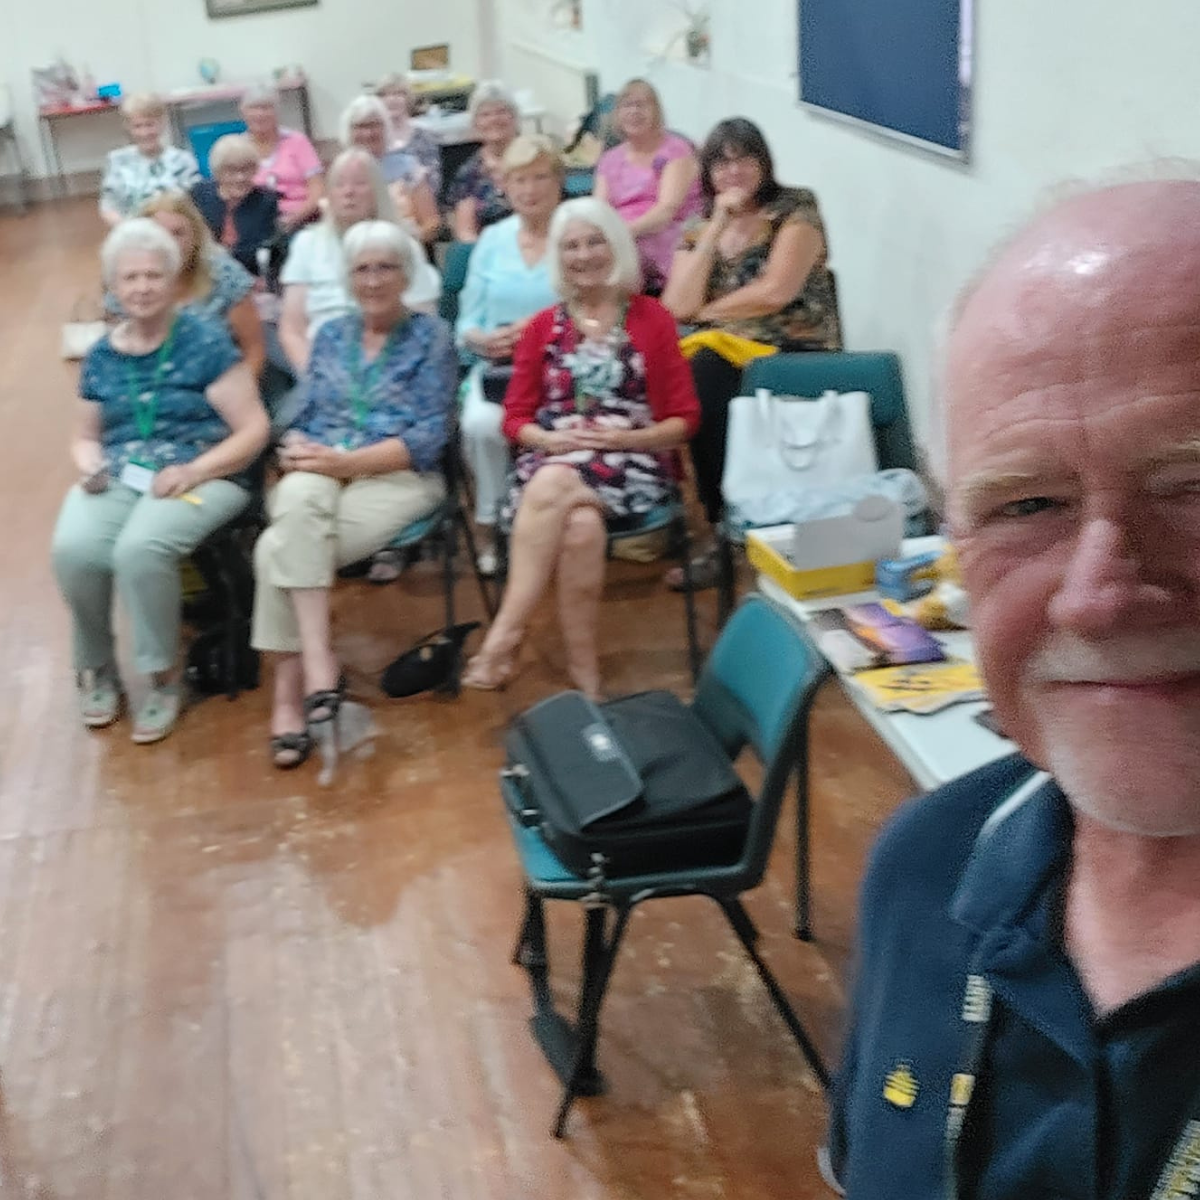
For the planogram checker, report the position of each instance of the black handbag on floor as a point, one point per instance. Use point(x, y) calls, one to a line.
point(637, 785)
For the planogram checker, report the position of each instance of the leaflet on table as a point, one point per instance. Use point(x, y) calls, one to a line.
point(861, 636)
point(923, 688)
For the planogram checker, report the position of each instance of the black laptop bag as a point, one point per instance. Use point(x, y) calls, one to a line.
point(635, 786)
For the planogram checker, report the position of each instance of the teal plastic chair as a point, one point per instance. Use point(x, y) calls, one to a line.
point(454, 277)
point(754, 693)
point(811, 375)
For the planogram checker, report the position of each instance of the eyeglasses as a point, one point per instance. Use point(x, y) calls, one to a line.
point(366, 270)
point(731, 160)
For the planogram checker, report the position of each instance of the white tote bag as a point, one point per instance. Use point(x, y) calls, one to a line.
point(788, 445)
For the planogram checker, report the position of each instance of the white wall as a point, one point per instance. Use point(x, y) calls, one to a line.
point(1063, 88)
point(156, 44)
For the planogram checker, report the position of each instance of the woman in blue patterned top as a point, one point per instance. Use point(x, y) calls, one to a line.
point(169, 417)
point(359, 464)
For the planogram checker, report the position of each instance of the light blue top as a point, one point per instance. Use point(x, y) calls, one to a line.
point(500, 286)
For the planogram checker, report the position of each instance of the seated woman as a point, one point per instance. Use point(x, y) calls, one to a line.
point(396, 94)
point(287, 162)
point(600, 393)
point(134, 173)
point(169, 417)
point(476, 197)
point(241, 216)
point(651, 178)
point(756, 269)
point(508, 280)
point(314, 275)
point(210, 282)
point(366, 123)
point(359, 463)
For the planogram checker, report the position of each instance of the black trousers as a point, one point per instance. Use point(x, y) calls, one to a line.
point(717, 383)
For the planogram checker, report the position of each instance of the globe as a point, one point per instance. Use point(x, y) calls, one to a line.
point(209, 69)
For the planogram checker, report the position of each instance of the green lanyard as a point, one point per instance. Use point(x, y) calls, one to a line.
point(144, 399)
point(363, 378)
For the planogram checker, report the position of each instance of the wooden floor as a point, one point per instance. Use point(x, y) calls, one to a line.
point(221, 982)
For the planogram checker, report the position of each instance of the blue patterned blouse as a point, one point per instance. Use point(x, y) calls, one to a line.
point(185, 424)
point(406, 392)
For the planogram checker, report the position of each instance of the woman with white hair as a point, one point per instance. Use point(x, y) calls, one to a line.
point(366, 123)
point(600, 396)
point(241, 216)
point(476, 196)
point(133, 174)
point(287, 162)
point(396, 93)
point(314, 275)
point(359, 463)
point(508, 281)
point(169, 420)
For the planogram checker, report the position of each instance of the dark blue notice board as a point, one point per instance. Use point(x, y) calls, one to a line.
point(892, 63)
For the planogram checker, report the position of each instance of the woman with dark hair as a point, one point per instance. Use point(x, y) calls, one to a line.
point(751, 278)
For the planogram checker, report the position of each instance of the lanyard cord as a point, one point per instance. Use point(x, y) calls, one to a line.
point(142, 399)
point(364, 376)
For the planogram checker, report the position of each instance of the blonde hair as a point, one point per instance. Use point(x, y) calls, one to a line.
point(646, 86)
point(231, 149)
point(385, 208)
point(626, 274)
point(143, 104)
point(194, 275)
point(523, 151)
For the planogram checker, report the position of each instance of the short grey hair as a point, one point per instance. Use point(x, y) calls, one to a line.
point(231, 149)
point(493, 91)
point(138, 234)
point(393, 81)
point(626, 273)
point(359, 111)
point(259, 94)
point(386, 236)
point(385, 208)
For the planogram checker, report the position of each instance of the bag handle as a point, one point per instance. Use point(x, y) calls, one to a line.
point(800, 445)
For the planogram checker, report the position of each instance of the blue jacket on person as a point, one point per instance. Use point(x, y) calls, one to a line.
point(255, 220)
point(966, 999)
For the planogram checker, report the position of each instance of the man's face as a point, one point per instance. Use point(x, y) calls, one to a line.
point(1073, 384)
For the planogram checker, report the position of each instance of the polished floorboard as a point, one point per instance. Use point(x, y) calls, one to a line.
point(223, 982)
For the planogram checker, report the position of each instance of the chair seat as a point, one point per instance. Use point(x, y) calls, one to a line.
point(420, 529)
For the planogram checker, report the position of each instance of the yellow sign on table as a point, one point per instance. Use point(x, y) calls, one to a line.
point(922, 687)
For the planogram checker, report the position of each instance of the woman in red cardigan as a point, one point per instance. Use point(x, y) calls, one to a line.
point(600, 395)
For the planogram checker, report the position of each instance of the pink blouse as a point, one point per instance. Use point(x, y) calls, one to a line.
point(633, 191)
point(288, 168)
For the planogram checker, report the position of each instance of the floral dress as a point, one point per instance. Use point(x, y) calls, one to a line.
point(597, 384)
point(474, 181)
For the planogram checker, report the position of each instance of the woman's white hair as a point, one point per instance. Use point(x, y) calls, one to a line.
point(626, 274)
point(230, 150)
point(259, 94)
point(385, 208)
point(382, 236)
point(492, 91)
point(359, 111)
point(138, 234)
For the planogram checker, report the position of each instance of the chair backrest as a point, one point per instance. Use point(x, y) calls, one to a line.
point(454, 277)
point(756, 689)
point(875, 372)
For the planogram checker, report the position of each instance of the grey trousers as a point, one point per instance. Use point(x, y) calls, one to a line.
point(138, 541)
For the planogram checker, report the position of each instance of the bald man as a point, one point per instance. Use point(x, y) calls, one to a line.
point(1026, 1020)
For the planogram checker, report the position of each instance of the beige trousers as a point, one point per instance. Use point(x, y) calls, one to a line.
point(319, 524)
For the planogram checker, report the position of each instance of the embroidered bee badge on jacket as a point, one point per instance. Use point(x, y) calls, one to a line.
point(900, 1086)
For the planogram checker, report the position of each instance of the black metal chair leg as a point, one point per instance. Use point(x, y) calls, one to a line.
point(726, 577)
point(599, 954)
point(803, 926)
point(684, 542)
point(489, 601)
point(748, 936)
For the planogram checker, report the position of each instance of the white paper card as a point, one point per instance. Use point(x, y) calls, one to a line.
point(135, 476)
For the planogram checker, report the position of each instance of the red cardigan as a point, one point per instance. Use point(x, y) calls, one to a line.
point(669, 388)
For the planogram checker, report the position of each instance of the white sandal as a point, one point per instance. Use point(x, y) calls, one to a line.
point(99, 697)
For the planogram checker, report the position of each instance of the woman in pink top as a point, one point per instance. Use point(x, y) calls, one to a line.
point(288, 164)
point(652, 179)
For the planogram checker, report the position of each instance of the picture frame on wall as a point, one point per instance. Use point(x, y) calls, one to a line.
point(239, 8)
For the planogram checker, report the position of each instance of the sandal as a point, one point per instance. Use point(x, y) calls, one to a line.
point(99, 697)
point(298, 745)
point(158, 714)
point(386, 567)
point(705, 572)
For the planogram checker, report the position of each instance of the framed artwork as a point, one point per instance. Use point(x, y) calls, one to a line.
point(238, 8)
